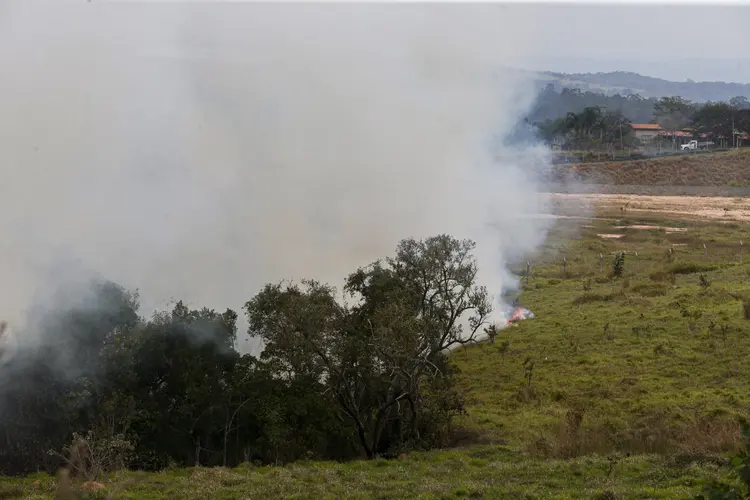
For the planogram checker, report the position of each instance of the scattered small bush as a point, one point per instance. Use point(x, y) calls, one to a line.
point(618, 266)
point(504, 347)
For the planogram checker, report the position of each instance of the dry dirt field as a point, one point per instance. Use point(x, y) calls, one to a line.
point(689, 207)
point(729, 168)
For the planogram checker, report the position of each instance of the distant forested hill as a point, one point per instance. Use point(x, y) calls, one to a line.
point(630, 94)
point(625, 83)
point(552, 104)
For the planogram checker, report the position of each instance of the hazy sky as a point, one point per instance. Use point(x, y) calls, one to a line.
point(647, 32)
point(685, 40)
point(672, 40)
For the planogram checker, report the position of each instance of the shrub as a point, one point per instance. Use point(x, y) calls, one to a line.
point(703, 281)
point(740, 463)
point(90, 457)
point(618, 266)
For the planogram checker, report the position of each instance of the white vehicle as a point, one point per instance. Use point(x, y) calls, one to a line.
point(696, 145)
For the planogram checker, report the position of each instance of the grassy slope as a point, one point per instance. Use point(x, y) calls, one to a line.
point(730, 168)
point(662, 385)
point(657, 379)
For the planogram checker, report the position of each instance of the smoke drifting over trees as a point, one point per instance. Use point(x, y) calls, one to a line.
point(199, 152)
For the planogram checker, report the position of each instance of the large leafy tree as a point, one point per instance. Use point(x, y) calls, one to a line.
point(673, 113)
point(722, 120)
point(185, 363)
point(715, 119)
point(375, 356)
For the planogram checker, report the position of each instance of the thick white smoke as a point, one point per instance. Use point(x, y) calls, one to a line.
point(198, 152)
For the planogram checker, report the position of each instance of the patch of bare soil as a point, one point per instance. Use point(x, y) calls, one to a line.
point(694, 207)
point(645, 226)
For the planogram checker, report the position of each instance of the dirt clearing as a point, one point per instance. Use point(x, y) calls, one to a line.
point(692, 207)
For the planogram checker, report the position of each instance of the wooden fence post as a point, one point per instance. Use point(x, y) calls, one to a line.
point(740, 251)
point(705, 251)
point(565, 266)
point(601, 263)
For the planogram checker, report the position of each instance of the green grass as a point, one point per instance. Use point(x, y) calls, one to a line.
point(650, 369)
point(649, 363)
point(480, 472)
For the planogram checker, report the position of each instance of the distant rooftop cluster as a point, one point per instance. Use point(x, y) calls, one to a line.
point(646, 130)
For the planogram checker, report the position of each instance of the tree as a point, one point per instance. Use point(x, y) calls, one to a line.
point(552, 105)
point(715, 120)
point(376, 356)
point(739, 102)
point(185, 361)
point(48, 390)
point(591, 126)
point(173, 389)
point(722, 120)
point(617, 129)
point(673, 113)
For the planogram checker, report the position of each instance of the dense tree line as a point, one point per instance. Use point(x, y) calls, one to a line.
point(552, 105)
point(590, 129)
point(608, 126)
point(727, 120)
point(336, 380)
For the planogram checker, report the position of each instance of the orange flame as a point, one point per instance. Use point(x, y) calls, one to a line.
point(519, 313)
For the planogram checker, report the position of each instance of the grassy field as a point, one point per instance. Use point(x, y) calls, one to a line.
point(479, 472)
point(652, 362)
point(635, 391)
point(731, 168)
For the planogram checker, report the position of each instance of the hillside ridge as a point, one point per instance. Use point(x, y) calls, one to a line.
point(730, 169)
point(626, 82)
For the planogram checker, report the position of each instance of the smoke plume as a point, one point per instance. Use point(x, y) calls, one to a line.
point(197, 152)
